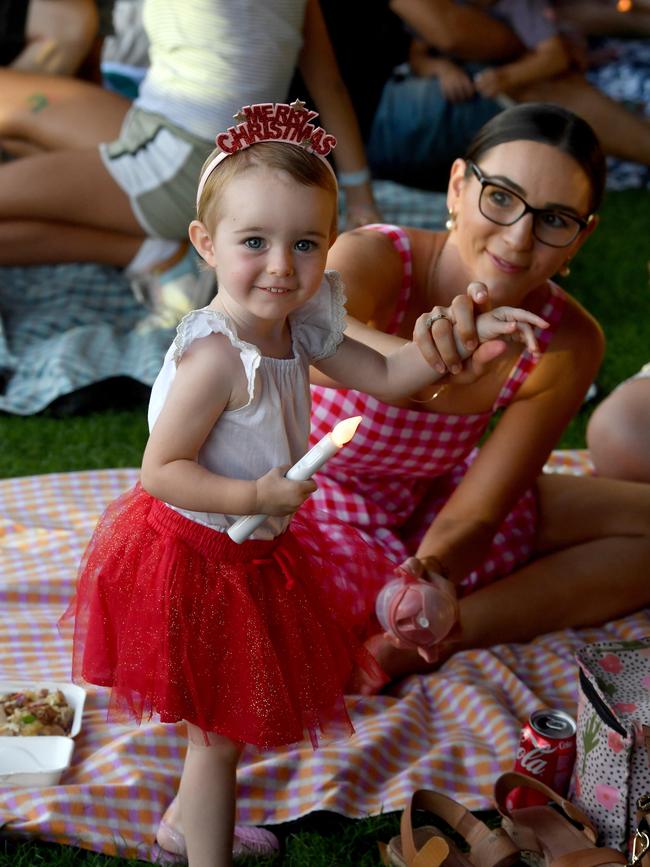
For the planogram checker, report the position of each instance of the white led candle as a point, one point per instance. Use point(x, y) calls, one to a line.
point(304, 469)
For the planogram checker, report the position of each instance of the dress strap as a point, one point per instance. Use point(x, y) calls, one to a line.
point(552, 312)
point(401, 243)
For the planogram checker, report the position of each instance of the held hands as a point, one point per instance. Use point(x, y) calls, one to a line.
point(277, 495)
point(452, 336)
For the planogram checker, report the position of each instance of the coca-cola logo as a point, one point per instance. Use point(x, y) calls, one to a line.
point(534, 762)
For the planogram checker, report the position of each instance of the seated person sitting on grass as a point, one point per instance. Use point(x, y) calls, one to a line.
point(545, 55)
point(417, 122)
point(618, 434)
point(529, 552)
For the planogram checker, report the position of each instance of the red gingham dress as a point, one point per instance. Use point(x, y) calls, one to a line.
point(402, 466)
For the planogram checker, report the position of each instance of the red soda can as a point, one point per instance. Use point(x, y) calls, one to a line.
point(547, 751)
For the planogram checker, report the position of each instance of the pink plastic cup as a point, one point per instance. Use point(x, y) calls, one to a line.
point(417, 613)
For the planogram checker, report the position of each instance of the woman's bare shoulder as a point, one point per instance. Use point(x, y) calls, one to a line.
point(371, 269)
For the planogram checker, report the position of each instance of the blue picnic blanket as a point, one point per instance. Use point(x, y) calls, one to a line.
point(64, 328)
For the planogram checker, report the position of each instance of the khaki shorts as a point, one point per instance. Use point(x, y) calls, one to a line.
point(157, 165)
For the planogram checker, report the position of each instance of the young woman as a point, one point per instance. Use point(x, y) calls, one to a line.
point(529, 553)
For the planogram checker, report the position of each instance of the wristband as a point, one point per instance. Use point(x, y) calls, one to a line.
point(355, 179)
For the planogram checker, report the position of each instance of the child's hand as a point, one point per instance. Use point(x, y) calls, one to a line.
point(277, 495)
point(512, 322)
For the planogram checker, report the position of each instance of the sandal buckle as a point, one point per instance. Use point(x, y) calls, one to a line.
point(640, 846)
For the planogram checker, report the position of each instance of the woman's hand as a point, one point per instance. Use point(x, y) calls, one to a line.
point(435, 339)
point(277, 495)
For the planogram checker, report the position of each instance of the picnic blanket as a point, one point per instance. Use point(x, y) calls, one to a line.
point(454, 730)
point(64, 328)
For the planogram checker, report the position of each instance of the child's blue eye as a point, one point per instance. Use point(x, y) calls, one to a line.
point(304, 246)
point(254, 243)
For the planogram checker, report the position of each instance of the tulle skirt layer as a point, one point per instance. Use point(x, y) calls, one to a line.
point(253, 641)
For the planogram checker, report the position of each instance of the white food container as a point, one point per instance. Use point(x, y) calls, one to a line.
point(39, 760)
point(34, 761)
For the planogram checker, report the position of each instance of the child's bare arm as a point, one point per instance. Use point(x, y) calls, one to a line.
point(389, 373)
point(548, 59)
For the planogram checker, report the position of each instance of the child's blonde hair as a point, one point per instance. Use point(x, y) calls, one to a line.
point(303, 167)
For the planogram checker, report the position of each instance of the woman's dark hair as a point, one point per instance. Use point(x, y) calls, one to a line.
point(551, 125)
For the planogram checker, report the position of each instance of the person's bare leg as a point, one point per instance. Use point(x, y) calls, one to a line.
point(62, 242)
point(49, 112)
point(64, 206)
point(618, 435)
point(14, 148)
point(593, 551)
point(622, 133)
point(207, 799)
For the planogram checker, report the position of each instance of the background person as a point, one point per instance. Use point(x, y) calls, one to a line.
point(618, 434)
point(417, 130)
point(204, 61)
point(47, 36)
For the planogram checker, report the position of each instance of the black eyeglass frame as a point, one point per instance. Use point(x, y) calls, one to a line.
point(528, 209)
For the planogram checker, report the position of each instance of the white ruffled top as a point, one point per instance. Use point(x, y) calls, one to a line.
point(272, 429)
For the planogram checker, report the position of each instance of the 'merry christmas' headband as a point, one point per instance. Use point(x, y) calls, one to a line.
point(271, 122)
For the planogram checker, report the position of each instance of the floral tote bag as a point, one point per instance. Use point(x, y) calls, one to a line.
point(612, 769)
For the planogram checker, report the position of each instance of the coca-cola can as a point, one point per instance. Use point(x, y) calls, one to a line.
point(547, 752)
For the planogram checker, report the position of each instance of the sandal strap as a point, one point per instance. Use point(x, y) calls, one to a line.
point(488, 846)
point(513, 780)
point(590, 858)
point(432, 854)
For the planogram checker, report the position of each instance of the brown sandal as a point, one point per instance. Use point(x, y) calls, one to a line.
point(429, 847)
point(547, 836)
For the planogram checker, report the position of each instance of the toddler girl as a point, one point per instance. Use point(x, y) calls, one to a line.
point(247, 643)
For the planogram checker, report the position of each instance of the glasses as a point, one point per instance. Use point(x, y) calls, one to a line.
point(503, 207)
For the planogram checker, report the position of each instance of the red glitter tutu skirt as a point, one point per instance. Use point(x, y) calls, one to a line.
point(253, 641)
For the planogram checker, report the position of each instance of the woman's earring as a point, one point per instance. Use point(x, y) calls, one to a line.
point(565, 270)
point(451, 221)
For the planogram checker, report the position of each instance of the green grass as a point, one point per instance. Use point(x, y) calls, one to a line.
point(609, 276)
point(319, 840)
